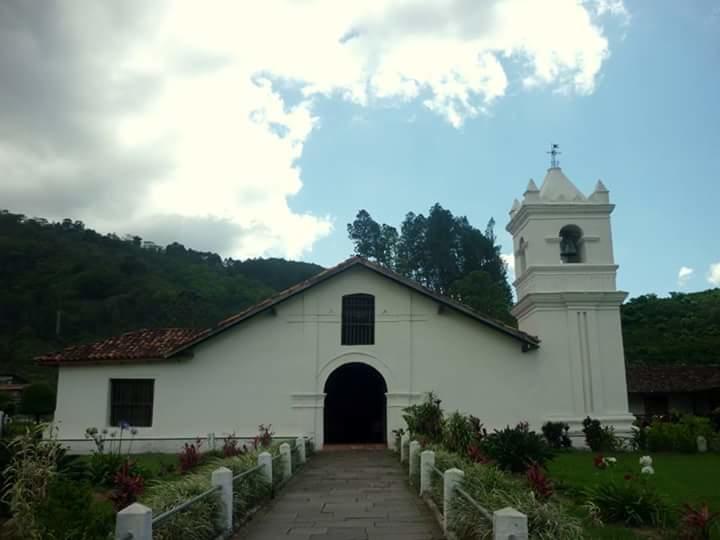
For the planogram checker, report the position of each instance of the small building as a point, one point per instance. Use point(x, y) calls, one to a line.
point(657, 390)
point(340, 355)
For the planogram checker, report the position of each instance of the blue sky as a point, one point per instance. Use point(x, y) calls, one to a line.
point(650, 131)
point(261, 129)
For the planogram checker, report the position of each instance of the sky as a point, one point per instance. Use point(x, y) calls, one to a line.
point(260, 129)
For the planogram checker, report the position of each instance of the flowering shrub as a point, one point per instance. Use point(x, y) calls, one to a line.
point(104, 464)
point(231, 446)
point(698, 523)
point(602, 462)
point(128, 486)
point(539, 482)
point(190, 456)
point(599, 438)
point(476, 455)
point(264, 438)
point(556, 434)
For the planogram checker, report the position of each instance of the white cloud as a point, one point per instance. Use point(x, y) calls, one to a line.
point(176, 112)
point(684, 275)
point(713, 275)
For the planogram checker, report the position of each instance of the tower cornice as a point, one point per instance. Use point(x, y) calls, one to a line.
point(550, 209)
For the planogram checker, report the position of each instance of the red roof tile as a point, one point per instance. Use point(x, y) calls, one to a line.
point(145, 344)
point(666, 379)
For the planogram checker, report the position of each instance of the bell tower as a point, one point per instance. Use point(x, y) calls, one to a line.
point(566, 292)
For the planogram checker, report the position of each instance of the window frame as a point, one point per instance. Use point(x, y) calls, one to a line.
point(357, 325)
point(123, 411)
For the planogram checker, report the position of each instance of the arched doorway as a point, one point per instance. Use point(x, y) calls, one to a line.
point(355, 409)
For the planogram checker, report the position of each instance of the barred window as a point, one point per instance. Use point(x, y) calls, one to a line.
point(358, 319)
point(131, 401)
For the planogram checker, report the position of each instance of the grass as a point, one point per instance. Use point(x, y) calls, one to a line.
point(680, 478)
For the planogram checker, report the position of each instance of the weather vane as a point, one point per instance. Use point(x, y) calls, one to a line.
point(554, 153)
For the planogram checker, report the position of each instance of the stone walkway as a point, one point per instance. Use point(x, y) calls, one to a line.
point(346, 495)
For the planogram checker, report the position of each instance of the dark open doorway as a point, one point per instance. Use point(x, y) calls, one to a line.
point(355, 410)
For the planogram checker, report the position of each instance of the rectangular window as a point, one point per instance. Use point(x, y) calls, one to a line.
point(358, 319)
point(131, 401)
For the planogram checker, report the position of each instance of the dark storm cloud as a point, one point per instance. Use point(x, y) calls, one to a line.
point(60, 95)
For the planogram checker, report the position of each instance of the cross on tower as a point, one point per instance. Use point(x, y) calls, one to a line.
point(554, 153)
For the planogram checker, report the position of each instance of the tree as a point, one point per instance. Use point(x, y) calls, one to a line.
point(436, 250)
point(481, 292)
point(37, 400)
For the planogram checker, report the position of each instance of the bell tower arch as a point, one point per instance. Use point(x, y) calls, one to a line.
point(567, 295)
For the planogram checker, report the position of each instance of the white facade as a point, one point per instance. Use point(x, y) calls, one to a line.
point(272, 367)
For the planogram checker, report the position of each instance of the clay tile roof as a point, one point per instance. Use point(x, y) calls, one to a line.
point(145, 344)
point(649, 379)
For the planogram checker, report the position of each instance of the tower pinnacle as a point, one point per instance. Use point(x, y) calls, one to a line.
point(554, 153)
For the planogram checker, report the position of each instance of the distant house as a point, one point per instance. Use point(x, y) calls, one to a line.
point(661, 389)
point(12, 384)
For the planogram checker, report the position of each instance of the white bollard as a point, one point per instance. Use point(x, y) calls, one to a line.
point(427, 462)
point(451, 479)
point(223, 477)
point(509, 524)
point(136, 519)
point(211, 441)
point(414, 454)
point(405, 437)
point(300, 445)
point(286, 459)
point(265, 459)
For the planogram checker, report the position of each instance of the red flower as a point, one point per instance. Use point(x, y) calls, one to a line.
point(539, 482)
point(698, 522)
point(599, 462)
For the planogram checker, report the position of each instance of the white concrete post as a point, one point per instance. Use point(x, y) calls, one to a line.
point(509, 524)
point(211, 441)
point(223, 477)
point(427, 462)
point(405, 437)
point(300, 445)
point(265, 459)
point(135, 519)
point(414, 451)
point(286, 459)
point(451, 478)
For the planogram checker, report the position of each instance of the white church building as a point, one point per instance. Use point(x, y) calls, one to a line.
point(340, 355)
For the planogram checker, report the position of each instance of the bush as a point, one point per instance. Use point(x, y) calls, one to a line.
point(556, 434)
point(102, 468)
point(631, 501)
point(426, 419)
point(190, 456)
point(599, 438)
point(37, 400)
point(128, 485)
point(494, 489)
point(462, 432)
point(264, 438)
point(699, 523)
point(516, 449)
point(680, 436)
point(70, 512)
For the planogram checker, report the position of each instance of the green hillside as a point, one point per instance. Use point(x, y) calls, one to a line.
point(103, 285)
point(683, 328)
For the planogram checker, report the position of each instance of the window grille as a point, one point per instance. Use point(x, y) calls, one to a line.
point(358, 319)
point(131, 401)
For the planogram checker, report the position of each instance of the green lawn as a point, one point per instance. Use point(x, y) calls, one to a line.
point(692, 478)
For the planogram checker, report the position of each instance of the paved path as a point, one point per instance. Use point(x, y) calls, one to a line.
point(346, 495)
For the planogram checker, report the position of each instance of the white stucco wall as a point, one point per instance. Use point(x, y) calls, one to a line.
point(271, 369)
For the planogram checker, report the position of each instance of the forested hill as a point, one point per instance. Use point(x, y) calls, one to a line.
point(684, 328)
point(103, 285)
